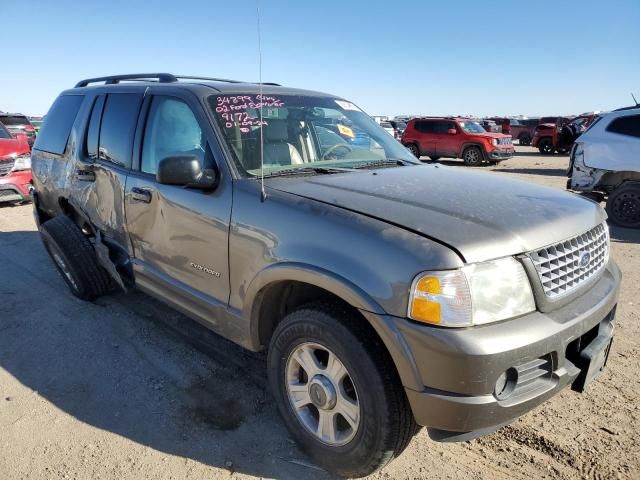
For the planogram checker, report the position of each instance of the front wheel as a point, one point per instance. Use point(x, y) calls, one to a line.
point(525, 140)
point(545, 146)
point(623, 206)
point(472, 156)
point(337, 390)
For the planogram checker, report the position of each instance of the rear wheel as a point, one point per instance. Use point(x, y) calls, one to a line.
point(623, 206)
point(472, 156)
point(413, 148)
point(337, 390)
point(74, 257)
point(545, 146)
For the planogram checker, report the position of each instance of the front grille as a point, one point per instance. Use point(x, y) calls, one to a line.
point(6, 166)
point(505, 141)
point(564, 267)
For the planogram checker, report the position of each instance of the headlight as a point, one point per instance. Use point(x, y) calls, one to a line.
point(22, 163)
point(494, 141)
point(472, 295)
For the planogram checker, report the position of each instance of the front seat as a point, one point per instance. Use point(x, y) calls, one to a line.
point(277, 151)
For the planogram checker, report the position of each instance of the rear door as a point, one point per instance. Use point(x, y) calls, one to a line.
point(426, 136)
point(448, 144)
point(179, 235)
point(105, 160)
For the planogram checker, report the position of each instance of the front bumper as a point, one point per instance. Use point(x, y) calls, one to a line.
point(500, 153)
point(460, 367)
point(16, 187)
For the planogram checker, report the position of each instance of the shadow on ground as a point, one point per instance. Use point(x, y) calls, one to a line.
point(127, 364)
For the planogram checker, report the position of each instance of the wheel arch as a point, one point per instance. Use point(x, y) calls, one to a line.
point(466, 145)
point(281, 288)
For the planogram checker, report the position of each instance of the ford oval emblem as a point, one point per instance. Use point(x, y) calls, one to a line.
point(585, 258)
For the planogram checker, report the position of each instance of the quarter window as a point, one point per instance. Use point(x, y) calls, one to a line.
point(55, 131)
point(172, 129)
point(118, 127)
point(629, 125)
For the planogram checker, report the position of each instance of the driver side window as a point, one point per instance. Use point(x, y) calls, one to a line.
point(172, 129)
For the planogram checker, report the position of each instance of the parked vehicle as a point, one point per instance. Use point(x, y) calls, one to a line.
point(605, 163)
point(549, 138)
point(399, 127)
point(36, 122)
point(17, 123)
point(519, 129)
point(438, 137)
point(490, 125)
point(388, 294)
point(389, 128)
point(15, 167)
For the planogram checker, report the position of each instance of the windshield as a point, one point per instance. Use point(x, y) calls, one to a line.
point(301, 132)
point(472, 127)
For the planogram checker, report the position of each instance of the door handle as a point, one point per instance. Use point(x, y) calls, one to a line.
point(86, 175)
point(141, 195)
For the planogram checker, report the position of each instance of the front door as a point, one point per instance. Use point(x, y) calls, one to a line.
point(179, 235)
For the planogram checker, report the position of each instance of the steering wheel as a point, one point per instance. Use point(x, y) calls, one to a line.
point(334, 147)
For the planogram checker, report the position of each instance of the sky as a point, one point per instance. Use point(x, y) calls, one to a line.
point(424, 57)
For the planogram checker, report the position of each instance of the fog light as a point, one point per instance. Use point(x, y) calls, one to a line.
point(506, 383)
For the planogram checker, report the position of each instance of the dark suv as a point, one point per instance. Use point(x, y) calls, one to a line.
point(388, 294)
point(456, 138)
point(17, 123)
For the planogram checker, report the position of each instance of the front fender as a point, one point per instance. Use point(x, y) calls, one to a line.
point(382, 323)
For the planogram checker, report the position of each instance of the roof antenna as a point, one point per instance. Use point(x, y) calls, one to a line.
point(634, 99)
point(263, 193)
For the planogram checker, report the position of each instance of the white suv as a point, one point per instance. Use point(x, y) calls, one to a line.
point(605, 162)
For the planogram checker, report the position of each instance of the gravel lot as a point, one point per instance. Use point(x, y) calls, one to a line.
point(126, 388)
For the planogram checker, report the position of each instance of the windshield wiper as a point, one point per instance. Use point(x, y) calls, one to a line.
point(306, 171)
point(388, 162)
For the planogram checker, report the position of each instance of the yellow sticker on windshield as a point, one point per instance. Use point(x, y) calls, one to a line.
point(346, 131)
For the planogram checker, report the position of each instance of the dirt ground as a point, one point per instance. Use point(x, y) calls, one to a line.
point(126, 388)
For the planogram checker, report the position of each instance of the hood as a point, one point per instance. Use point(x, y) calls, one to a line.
point(480, 215)
point(11, 145)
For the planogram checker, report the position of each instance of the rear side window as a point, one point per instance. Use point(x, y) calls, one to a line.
point(626, 126)
point(425, 127)
point(91, 144)
point(55, 130)
point(119, 120)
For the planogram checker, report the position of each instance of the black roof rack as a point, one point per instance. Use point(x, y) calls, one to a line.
point(113, 79)
point(633, 107)
point(159, 77)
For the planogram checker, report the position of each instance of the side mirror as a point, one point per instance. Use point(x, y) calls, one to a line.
point(452, 131)
point(185, 170)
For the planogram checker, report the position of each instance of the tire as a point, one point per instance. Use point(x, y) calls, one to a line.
point(525, 140)
point(623, 206)
point(413, 148)
point(435, 158)
point(472, 156)
point(383, 425)
point(545, 146)
point(74, 257)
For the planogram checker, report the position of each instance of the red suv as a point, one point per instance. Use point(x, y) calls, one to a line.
point(456, 138)
point(15, 167)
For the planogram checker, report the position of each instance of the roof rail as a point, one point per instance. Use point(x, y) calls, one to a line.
point(226, 80)
point(113, 79)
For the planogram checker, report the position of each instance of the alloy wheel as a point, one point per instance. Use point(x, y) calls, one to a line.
point(322, 394)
